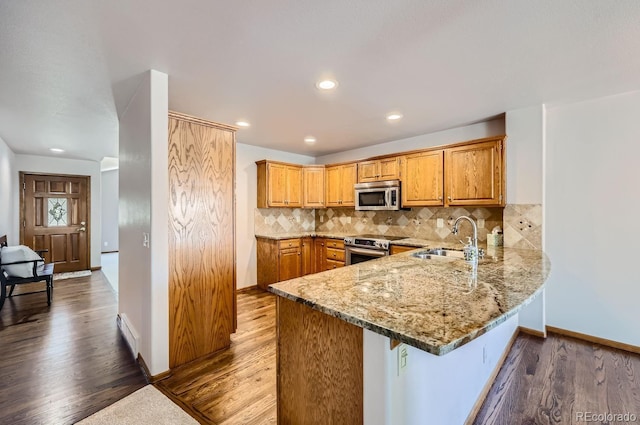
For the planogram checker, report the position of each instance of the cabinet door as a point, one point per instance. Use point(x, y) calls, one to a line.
point(367, 171)
point(277, 185)
point(290, 264)
point(473, 174)
point(422, 179)
point(313, 187)
point(319, 255)
point(398, 249)
point(389, 169)
point(307, 256)
point(294, 186)
point(349, 176)
point(333, 186)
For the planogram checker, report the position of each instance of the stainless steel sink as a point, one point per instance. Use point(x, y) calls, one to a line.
point(438, 252)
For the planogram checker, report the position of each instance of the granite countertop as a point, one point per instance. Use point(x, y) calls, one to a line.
point(436, 305)
point(294, 235)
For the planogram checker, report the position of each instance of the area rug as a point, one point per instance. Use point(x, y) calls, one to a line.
point(147, 406)
point(70, 275)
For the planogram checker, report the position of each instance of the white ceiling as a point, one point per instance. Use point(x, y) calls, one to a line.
point(67, 68)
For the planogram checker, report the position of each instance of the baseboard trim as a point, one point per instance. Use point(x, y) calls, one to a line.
point(487, 388)
point(246, 289)
point(594, 339)
point(149, 377)
point(533, 332)
point(96, 268)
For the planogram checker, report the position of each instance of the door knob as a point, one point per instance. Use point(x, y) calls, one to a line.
point(82, 229)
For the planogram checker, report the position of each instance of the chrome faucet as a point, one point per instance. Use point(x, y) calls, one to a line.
point(474, 241)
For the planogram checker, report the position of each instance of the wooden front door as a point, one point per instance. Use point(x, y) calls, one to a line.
point(54, 215)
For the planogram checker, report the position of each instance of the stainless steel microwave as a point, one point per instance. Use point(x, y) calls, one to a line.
point(378, 196)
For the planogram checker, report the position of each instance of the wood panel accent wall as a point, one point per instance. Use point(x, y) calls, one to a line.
point(202, 281)
point(320, 377)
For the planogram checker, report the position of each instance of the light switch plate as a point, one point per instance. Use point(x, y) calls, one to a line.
point(481, 223)
point(439, 223)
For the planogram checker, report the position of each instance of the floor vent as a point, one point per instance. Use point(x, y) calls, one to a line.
point(129, 333)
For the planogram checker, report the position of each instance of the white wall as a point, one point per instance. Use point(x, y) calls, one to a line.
point(431, 389)
point(459, 134)
point(246, 203)
point(53, 165)
point(591, 207)
point(525, 133)
point(8, 186)
point(143, 272)
point(110, 210)
point(524, 151)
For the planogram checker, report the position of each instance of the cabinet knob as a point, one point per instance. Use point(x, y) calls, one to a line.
point(449, 198)
point(440, 198)
point(298, 252)
point(289, 243)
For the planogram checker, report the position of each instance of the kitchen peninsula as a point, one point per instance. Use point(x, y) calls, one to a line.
point(336, 363)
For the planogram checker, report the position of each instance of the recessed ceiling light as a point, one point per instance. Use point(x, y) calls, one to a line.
point(394, 116)
point(310, 139)
point(56, 150)
point(327, 84)
point(242, 124)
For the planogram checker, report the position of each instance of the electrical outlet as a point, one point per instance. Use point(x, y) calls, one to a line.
point(321, 219)
point(298, 219)
point(403, 355)
point(439, 223)
point(481, 223)
point(348, 220)
point(106, 244)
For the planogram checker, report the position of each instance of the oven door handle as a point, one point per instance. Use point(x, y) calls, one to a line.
point(369, 252)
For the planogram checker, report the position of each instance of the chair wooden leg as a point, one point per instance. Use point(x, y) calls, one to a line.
point(3, 294)
point(11, 291)
point(49, 290)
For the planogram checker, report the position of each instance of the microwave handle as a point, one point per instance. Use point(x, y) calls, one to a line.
point(387, 197)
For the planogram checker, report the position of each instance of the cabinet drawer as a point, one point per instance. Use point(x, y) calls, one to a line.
point(331, 264)
point(335, 243)
point(289, 243)
point(335, 254)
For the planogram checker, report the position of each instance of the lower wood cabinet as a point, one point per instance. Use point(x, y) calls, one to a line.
point(397, 249)
point(291, 258)
point(333, 254)
point(284, 259)
point(319, 255)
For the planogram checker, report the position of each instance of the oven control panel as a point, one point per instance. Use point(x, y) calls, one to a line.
point(366, 243)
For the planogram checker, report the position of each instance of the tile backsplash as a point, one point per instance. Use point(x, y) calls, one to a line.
point(419, 223)
point(523, 226)
point(283, 220)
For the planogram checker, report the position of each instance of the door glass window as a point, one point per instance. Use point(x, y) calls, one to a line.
point(57, 212)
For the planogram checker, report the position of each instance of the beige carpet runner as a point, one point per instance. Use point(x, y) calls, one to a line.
point(145, 406)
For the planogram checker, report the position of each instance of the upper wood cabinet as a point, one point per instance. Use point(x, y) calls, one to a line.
point(340, 180)
point(313, 186)
point(279, 184)
point(422, 175)
point(474, 174)
point(379, 170)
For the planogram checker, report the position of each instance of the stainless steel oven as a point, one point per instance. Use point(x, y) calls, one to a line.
point(358, 249)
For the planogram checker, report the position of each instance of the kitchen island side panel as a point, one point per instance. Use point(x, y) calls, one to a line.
point(320, 375)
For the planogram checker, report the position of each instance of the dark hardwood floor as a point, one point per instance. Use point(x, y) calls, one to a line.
point(553, 380)
point(236, 385)
point(62, 363)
